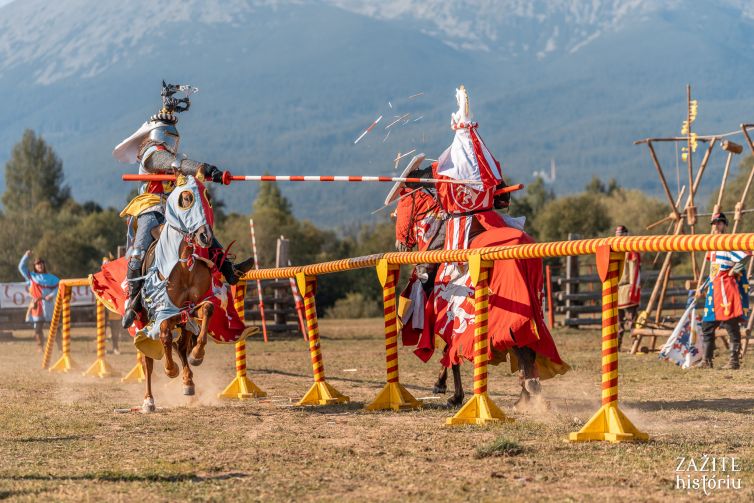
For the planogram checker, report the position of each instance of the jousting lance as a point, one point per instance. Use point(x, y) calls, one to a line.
point(227, 178)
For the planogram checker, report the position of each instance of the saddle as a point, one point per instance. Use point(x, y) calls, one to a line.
point(149, 256)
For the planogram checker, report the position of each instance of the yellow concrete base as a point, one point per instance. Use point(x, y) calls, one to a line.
point(64, 364)
point(480, 409)
point(135, 375)
point(610, 424)
point(100, 368)
point(394, 396)
point(321, 393)
point(242, 388)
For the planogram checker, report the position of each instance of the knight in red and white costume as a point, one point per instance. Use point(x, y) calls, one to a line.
point(516, 321)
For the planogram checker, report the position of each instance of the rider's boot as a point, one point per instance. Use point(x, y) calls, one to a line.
point(133, 305)
point(233, 272)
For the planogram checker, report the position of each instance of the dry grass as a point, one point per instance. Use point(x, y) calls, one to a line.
point(62, 441)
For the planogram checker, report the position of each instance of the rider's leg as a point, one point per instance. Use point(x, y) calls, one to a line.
point(143, 238)
point(231, 272)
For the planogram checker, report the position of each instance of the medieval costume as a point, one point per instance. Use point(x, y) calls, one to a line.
point(727, 299)
point(43, 288)
point(154, 146)
point(629, 290)
point(187, 211)
point(419, 223)
point(516, 321)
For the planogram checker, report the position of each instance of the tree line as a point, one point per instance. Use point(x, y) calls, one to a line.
point(40, 214)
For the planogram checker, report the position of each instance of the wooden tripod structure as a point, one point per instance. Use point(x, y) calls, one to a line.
point(689, 211)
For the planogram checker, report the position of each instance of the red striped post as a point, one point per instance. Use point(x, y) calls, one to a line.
point(241, 387)
point(609, 423)
point(299, 303)
point(54, 324)
point(65, 364)
point(259, 282)
point(100, 368)
point(321, 392)
point(393, 395)
point(480, 409)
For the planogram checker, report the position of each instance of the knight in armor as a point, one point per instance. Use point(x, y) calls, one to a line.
point(154, 146)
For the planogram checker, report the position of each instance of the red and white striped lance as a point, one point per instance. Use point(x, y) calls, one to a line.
point(259, 283)
point(303, 178)
point(299, 303)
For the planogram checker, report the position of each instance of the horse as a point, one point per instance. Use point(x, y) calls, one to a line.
point(422, 225)
point(184, 299)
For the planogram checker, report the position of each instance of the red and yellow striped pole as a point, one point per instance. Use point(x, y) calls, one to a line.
point(54, 324)
point(321, 392)
point(100, 367)
point(480, 409)
point(64, 364)
point(609, 423)
point(241, 387)
point(393, 395)
point(136, 374)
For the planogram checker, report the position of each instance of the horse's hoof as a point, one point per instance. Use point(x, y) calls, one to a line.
point(172, 372)
point(148, 405)
point(440, 389)
point(194, 362)
point(533, 386)
point(189, 390)
point(523, 401)
point(455, 401)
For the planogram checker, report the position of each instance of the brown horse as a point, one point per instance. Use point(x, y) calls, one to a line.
point(189, 221)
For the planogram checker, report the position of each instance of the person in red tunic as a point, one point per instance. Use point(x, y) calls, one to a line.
point(629, 290)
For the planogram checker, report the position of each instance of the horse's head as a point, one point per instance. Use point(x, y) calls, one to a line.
point(189, 210)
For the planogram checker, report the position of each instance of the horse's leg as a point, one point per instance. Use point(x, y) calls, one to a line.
point(441, 386)
point(183, 350)
point(146, 365)
point(457, 398)
point(197, 354)
point(166, 337)
point(527, 376)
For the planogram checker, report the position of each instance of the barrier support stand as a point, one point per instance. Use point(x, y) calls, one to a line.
point(241, 387)
point(609, 423)
point(65, 364)
point(393, 395)
point(100, 368)
point(480, 409)
point(54, 324)
point(136, 374)
point(321, 392)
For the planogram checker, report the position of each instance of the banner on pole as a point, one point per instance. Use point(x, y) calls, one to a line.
point(16, 296)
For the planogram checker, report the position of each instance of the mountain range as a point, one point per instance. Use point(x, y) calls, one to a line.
point(286, 86)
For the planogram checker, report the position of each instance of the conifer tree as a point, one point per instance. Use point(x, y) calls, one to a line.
point(33, 175)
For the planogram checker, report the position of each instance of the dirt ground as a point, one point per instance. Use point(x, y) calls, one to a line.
point(62, 440)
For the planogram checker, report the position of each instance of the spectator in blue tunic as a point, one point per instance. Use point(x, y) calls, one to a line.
point(43, 287)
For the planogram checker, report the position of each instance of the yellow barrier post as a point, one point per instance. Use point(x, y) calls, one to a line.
point(480, 409)
point(321, 392)
point(609, 423)
point(136, 374)
point(241, 387)
point(64, 364)
point(54, 324)
point(393, 395)
point(100, 367)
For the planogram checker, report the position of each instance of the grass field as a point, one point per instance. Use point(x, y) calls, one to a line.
point(61, 439)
